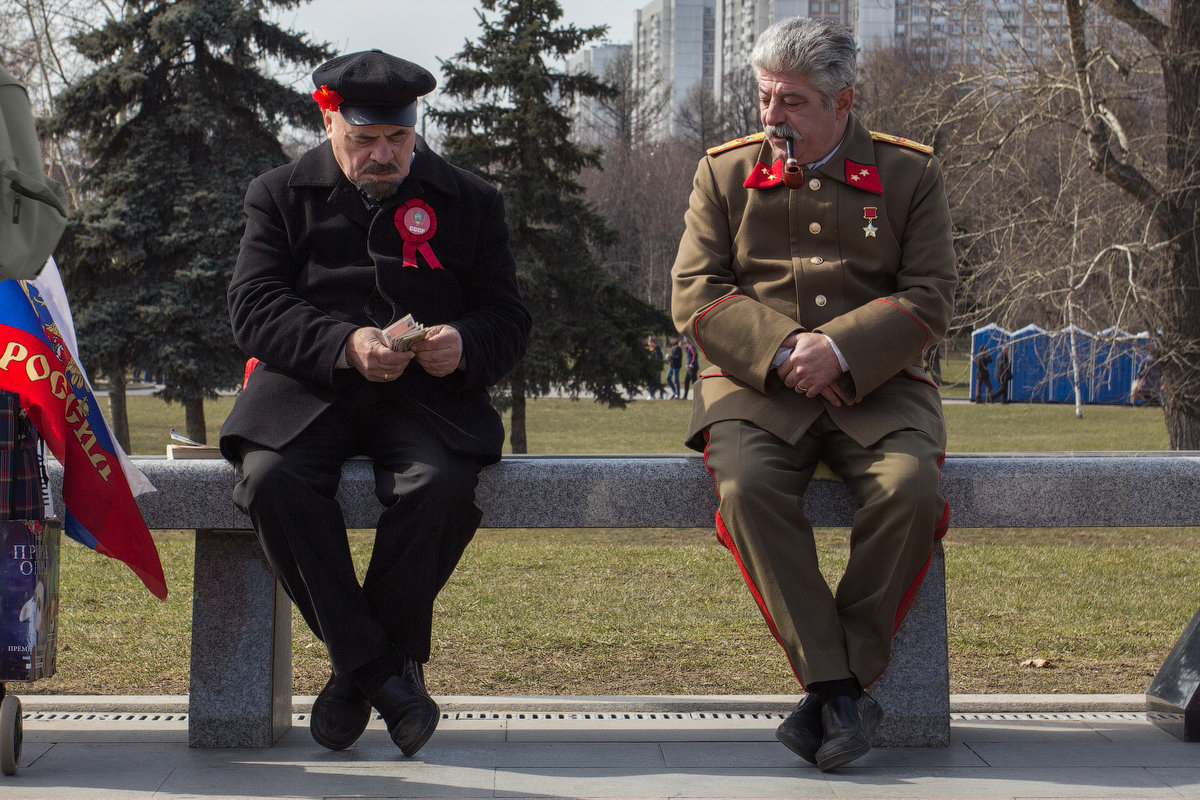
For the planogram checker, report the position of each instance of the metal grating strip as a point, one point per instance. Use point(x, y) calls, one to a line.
point(88, 716)
point(597, 716)
point(632, 716)
point(1049, 715)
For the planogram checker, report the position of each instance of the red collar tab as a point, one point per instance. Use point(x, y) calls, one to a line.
point(764, 177)
point(863, 176)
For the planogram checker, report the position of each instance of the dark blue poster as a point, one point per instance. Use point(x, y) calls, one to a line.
point(28, 598)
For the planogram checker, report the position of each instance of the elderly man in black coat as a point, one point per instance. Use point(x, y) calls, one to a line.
point(359, 232)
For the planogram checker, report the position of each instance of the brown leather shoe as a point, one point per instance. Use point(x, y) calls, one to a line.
point(339, 714)
point(802, 731)
point(409, 711)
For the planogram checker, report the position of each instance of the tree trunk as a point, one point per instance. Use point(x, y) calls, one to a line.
point(194, 419)
point(118, 412)
point(1181, 223)
point(516, 437)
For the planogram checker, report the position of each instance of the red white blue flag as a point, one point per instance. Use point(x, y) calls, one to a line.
point(37, 364)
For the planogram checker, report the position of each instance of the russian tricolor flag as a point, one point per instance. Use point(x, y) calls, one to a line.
point(38, 362)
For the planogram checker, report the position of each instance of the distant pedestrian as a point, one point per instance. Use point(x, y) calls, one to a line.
point(656, 365)
point(1003, 375)
point(983, 360)
point(691, 368)
point(674, 362)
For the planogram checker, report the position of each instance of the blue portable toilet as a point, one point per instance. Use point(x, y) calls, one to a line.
point(1030, 348)
point(990, 337)
point(1060, 369)
point(1113, 366)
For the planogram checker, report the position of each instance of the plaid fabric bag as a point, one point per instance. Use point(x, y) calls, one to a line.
point(21, 481)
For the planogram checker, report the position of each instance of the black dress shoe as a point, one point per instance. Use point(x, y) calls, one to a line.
point(849, 728)
point(802, 731)
point(339, 714)
point(409, 711)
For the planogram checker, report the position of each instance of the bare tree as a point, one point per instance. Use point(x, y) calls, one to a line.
point(633, 112)
point(699, 118)
point(1043, 152)
point(1160, 172)
point(33, 34)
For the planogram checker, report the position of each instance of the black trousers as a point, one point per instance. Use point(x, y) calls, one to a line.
point(429, 516)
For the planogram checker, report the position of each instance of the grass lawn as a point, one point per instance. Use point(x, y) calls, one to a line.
point(665, 611)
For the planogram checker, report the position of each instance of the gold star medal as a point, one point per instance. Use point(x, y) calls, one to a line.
point(869, 214)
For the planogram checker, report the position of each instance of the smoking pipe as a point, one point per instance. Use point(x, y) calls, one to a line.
point(793, 173)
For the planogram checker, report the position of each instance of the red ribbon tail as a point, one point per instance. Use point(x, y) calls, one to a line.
point(427, 251)
point(409, 255)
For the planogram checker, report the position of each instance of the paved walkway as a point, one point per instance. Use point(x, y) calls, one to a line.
point(646, 754)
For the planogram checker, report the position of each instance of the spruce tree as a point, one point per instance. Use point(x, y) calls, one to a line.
point(506, 116)
point(177, 118)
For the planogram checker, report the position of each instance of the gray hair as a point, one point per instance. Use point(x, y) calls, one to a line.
point(820, 50)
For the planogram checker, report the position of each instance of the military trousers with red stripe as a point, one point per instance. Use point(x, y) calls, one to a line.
point(828, 633)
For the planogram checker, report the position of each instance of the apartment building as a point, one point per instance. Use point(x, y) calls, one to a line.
point(673, 46)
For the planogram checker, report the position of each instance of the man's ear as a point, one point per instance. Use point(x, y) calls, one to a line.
point(327, 117)
point(843, 101)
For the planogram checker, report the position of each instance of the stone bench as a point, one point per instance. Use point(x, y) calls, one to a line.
point(240, 689)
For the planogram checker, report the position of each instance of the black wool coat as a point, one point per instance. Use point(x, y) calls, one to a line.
point(315, 265)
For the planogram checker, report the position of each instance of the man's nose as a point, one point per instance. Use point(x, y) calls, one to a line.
point(382, 153)
point(773, 113)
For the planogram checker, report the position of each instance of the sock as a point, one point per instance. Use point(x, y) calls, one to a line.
point(827, 690)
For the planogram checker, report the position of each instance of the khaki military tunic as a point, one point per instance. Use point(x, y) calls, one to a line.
point(862, 253)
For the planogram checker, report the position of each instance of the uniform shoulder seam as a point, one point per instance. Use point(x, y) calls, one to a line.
point(901, 141)
point(734, 143)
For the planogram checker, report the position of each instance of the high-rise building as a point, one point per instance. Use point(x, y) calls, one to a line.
point(738, 24)
point(598, 60)
point(961, 33)
point(709, 41)
point(673, 47)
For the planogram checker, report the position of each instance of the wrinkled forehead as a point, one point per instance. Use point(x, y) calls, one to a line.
point(785, 83)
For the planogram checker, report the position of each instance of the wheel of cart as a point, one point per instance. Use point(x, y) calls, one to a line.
point(11, 732)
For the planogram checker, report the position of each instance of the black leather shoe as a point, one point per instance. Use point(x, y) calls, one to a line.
point(339, 714)
point(849, 728)
point(802, 731)
point(409, 711)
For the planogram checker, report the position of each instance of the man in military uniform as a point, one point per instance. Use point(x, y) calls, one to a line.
point(814, 305)
point(359, 232)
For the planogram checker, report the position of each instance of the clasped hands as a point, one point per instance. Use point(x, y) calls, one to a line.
point(812, 368)
point(439, 353)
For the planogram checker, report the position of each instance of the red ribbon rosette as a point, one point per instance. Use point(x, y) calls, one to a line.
point(416, 223)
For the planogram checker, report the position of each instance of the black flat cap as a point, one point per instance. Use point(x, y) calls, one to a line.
point(375, 88)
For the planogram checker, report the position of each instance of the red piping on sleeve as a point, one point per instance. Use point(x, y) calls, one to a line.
point(696, 324)
point(910, 316)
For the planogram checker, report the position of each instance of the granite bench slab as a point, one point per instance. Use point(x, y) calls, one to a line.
point(240, 684)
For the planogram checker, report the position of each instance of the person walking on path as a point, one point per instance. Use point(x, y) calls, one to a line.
point(983, 378)
point(691, 371)
point(674, 362)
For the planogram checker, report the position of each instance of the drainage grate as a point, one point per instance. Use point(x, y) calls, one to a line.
point(600, 716)
point(1009, 716)
point(629, 716)
point(88, 716)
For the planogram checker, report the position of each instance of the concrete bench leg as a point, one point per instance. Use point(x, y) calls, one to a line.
point(240, 692)
point(915, 690)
